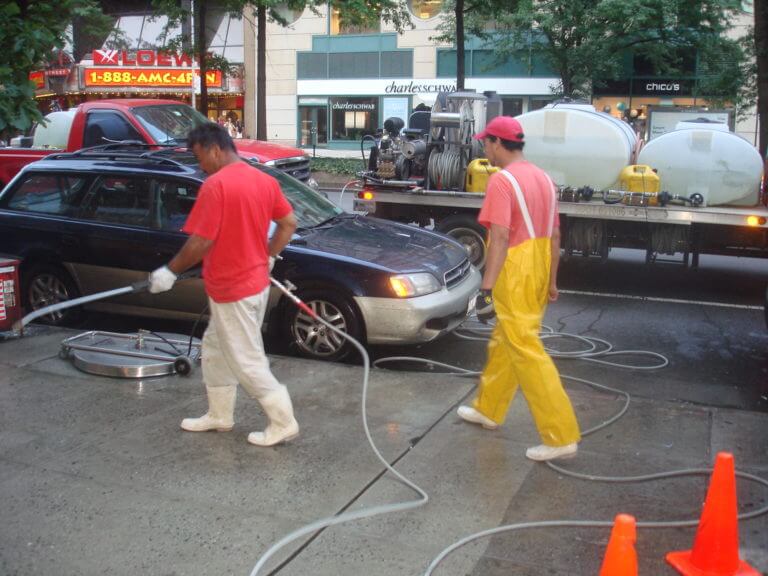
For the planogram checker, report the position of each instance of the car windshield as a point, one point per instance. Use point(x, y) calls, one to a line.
point(169, 123)
point(310, 208)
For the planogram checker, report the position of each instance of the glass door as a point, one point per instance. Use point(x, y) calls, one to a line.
point(314, 126)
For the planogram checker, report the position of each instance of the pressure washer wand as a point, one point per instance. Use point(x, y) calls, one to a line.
point(44, 311)
point(18, 326)
point(295, 299)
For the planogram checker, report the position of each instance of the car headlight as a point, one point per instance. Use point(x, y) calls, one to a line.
point(407, 285)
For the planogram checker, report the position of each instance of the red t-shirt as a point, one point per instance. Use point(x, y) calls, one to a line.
point(234, 209)
point(501, 207)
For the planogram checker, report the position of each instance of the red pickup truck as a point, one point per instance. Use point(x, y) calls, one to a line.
point(152, 121)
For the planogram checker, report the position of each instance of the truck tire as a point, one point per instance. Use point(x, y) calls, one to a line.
point(467, 231)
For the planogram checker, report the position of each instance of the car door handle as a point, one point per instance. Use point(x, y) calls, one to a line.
point(70, 241)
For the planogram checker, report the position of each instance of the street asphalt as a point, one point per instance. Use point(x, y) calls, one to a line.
point(98, 478)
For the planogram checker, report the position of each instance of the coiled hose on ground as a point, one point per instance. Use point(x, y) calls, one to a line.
point(595, 350)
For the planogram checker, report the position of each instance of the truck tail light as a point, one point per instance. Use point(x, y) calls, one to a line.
point(756, 220)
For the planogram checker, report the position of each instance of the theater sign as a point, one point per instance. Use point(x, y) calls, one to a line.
point(144, 69)
point(156, 77)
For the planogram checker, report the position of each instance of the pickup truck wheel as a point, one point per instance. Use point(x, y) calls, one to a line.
point(45, 284)
point(311, 338)
point(467, 231)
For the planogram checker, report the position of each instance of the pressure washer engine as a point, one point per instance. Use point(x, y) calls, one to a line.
point(436, 147)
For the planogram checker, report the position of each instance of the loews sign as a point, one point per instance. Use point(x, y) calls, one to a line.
point(140, 58)
point(145, 68)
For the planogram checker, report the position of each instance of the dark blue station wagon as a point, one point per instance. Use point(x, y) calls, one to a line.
point(97, 220)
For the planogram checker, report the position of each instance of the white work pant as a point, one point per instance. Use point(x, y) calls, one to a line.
point(233, 350)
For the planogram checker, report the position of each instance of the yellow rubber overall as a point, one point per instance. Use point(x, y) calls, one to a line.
point(516, 355)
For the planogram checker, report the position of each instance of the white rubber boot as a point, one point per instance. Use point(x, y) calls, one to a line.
point(469, 414)
point(543, 453)
point(282, 425)
point(221, 408)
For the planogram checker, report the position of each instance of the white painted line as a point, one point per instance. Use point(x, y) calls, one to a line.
point(666, 300)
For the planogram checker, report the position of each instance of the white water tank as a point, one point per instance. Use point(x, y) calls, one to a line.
point(721, 166)
point(699, 123)
point(578, 146)
point(54, 132)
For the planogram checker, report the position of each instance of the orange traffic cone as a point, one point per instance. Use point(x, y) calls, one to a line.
point(716, 547)
point(621, 557)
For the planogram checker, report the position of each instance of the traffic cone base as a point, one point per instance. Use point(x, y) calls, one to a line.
point(681, 561)
point(716, 546)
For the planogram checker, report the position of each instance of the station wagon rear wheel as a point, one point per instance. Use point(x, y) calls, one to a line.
point(311, 338)
point(47, 284)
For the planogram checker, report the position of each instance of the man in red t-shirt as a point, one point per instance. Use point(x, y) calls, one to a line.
point(520, 212)
point(228, 229)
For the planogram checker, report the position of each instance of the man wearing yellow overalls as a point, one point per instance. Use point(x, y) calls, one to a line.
point(520, 212)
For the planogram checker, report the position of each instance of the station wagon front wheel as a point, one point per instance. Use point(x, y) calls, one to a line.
point(313, 339)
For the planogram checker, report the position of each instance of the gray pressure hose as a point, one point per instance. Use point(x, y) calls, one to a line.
point(349, 516)
point(595, 349)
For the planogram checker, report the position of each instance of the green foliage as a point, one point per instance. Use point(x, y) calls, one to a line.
point(727, 73)
point(29, 33)
point(368, 12)
point(354, 12)
point(342, 166)
point(585, 40)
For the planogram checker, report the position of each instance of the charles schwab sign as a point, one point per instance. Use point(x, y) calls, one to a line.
point(354, 106)
point(412, 87)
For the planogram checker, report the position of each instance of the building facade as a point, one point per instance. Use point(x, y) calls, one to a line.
point(328, 84)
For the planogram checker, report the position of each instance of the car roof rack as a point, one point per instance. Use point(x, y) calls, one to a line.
point(117, 150)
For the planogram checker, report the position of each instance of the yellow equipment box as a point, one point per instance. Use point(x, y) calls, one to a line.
point(639, 178)
point(478, 172)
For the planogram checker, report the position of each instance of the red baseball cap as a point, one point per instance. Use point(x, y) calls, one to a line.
point(504, 127)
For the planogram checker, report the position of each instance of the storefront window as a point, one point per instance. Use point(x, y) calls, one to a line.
point(339, 26)
point(425, 9)
point(140, 31)
point(226, 37)
point(512, 106)
point(351, 118)
point(536, 103)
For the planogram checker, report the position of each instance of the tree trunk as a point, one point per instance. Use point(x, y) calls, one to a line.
point(761, 54)
point(261, 73)
point(202, 52)
point(460, 72)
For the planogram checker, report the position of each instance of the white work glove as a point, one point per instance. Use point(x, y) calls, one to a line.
point(161, 280)
point(271, 263)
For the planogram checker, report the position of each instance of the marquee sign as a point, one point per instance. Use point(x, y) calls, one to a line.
point(154, 77)
point(38, 79)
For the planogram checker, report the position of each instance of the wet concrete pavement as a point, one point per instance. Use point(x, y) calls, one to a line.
point(97, 477)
